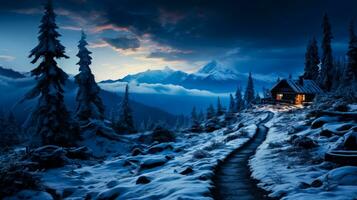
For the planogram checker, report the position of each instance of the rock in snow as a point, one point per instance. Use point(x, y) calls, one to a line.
point(143, 180)
point(153, 162)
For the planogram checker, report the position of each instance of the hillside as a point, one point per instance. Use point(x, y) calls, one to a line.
point(15, 90)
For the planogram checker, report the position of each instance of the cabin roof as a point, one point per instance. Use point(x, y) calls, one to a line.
point(307, 86)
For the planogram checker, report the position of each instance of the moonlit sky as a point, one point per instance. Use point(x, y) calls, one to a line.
point(265, 37)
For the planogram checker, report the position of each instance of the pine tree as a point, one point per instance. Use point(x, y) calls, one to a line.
point(220, 109)
point(231, 104)
point(210, 112)
point(201, 116)
point(257, 99)
point(195, 123)
point(89, 103)
point(350, 72)
point(312, 61)
point(266, 92)
point(239, 103)
point(249, 92)
point(326, 72)
point(126, 122)
point(231, 110)
point(10, 132)
point(150, 125)
point(50, 118)
point(194, 116)
point(338, 74)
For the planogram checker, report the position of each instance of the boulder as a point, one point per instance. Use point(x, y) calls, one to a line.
point(143, 180)
point(49, 156)
point(159, 148)
point(319, 122)
point(304, 142)
point(152, 163)
point(316, 183)
point(304, 185)
point(136, 152)
point(187, 171)
point(82, 153)
point(326, 133)
point(200, 154)
point(351, 142)
point(16, 178)
point(161, 134)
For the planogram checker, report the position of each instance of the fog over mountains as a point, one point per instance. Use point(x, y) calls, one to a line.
point(212, 77)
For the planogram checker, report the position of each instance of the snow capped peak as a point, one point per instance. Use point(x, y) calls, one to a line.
point(168, 69)
point(209, 67)
point(217, 71)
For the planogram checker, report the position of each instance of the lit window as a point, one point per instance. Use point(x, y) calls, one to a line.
point(279, 96)
point(303, 97)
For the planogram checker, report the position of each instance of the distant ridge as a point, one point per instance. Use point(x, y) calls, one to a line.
point(10, 73)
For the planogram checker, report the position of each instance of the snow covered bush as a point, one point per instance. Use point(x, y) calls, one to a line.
point(15, 177)
point(200, 154)
point(214, 145)
point(161, 134)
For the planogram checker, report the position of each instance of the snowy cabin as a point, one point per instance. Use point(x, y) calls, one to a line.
point(295, 91)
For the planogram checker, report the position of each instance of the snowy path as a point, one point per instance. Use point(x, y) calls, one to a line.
point(232, 179)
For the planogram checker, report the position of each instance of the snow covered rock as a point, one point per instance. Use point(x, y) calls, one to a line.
point(143, 180)
point(153, 162)
point(212, 125)
point(342, 176)
point(136, 151)
point(326, 133)
point(200, 154)
point(82, 153)
point(49, 156)
point(15, 178)
point(161, 134)
point(187, 171)
point(303, 142)
point(159, 148)
point(319, 122)
point(31, 195)
point(351, 141)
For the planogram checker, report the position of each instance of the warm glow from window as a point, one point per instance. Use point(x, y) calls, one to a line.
point(303, 97)
point(279, 96)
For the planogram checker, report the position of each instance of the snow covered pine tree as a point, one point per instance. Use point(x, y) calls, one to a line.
point(349, 80)
point(249, 92)
point(231, 110)
point(239, 100)
point(52, 121)
point(125, 124)
point(312, 61)
point(220, 109)
point(195, 126)
point(326, 72)
point(89, 103)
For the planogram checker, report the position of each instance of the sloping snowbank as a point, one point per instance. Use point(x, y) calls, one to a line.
point(295, 172)
point(175, 170)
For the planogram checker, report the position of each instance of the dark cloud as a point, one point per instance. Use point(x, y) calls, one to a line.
point(123, 42)
point(271, 35)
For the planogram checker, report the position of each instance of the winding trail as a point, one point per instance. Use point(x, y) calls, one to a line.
point(232, 178)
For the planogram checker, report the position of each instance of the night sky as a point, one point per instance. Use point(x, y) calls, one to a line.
point(267, 37)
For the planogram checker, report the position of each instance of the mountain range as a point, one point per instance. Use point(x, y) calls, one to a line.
point(14, 85)
point(212, 77)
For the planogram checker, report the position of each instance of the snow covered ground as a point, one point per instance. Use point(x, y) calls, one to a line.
point(290, 163)
point(174, 170)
